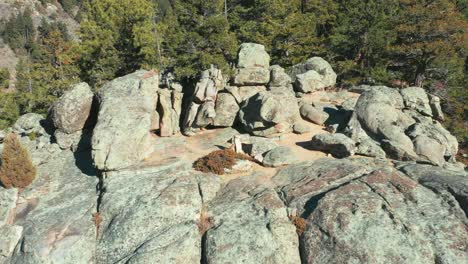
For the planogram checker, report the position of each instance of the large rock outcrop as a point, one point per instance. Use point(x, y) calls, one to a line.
point(154, 215)
point(122, 136)
point(253, 65)
point(201, 111)
point(55, 213)
point(312, 75)
point(365, 212)
point(401, 124)
point(268, 113)
point(250, 225)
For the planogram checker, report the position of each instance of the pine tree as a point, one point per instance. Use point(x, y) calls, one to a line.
point(196, 35)
point(117, 38)
point(43, 77)
point(360, 38)
point(292, 31)
point(9, 109)
point(429, 32)
point(19, 31)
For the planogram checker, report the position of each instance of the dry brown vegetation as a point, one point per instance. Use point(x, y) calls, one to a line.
point(300, 224)
point(218, 160)
point(17, 170)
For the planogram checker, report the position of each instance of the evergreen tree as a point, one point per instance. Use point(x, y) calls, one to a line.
point(9, 109)
point(117, 38)
point(292, 31)
point(360, 38)
point(19, 31)
point(42, 78)
point(429, 33)
point(195, 35)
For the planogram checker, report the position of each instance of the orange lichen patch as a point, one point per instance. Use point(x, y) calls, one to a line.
point(300, 224)
point(97, 220)
point(17, 169)
point(217, 161)
point(151, 73)
point(205, 222)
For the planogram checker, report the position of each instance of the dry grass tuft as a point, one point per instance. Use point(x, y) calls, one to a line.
point(218, 160)
point(300, 224)
point(17, 169)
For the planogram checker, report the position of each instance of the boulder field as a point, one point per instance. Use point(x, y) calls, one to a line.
point(351, 176)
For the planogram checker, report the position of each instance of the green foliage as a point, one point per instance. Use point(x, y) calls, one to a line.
point(118, 37)
point(428, 31)
point(195, 34)
point(19, 31)
point(361, 36)
point(69, 5)
point(292, 31)
point(4, 78)
point(9, 109)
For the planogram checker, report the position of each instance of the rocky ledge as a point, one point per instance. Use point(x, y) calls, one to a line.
point(333, 176)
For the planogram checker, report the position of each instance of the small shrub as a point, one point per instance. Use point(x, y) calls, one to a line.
point(4, 78)
point(32, 136)
point(218, 160)
point(17, 169)
point(300, 224)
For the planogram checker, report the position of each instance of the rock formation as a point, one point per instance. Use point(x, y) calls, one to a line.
point(132, 195)
point(402, 124)
point(201, 111)
point(122, 137)
point(312, 75)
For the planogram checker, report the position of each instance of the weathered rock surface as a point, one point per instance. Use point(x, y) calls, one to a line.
point(339, 145)
point(440, 180)
point(384, 217)
point(72, 110)
point(257, 147)
point(55, 213)
point(243, 93)
point(437, 112)
point(8, 198)
point(252, 76)
point(253, 65)
point(226, 110)
point(201, 110)
point(309, 81)
point(279, 78)
point(301, 128)
point(250, 225)
point(73, 141)
point(30, 124)
point(300, 183)
point(313, 114)
point(415, 98)
point(392, 217)
point(316, 70)
point(9, 238)
point(401, 124)
point(279, 156)
point(122, 137)
point(268, 113)
point(153, 216)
